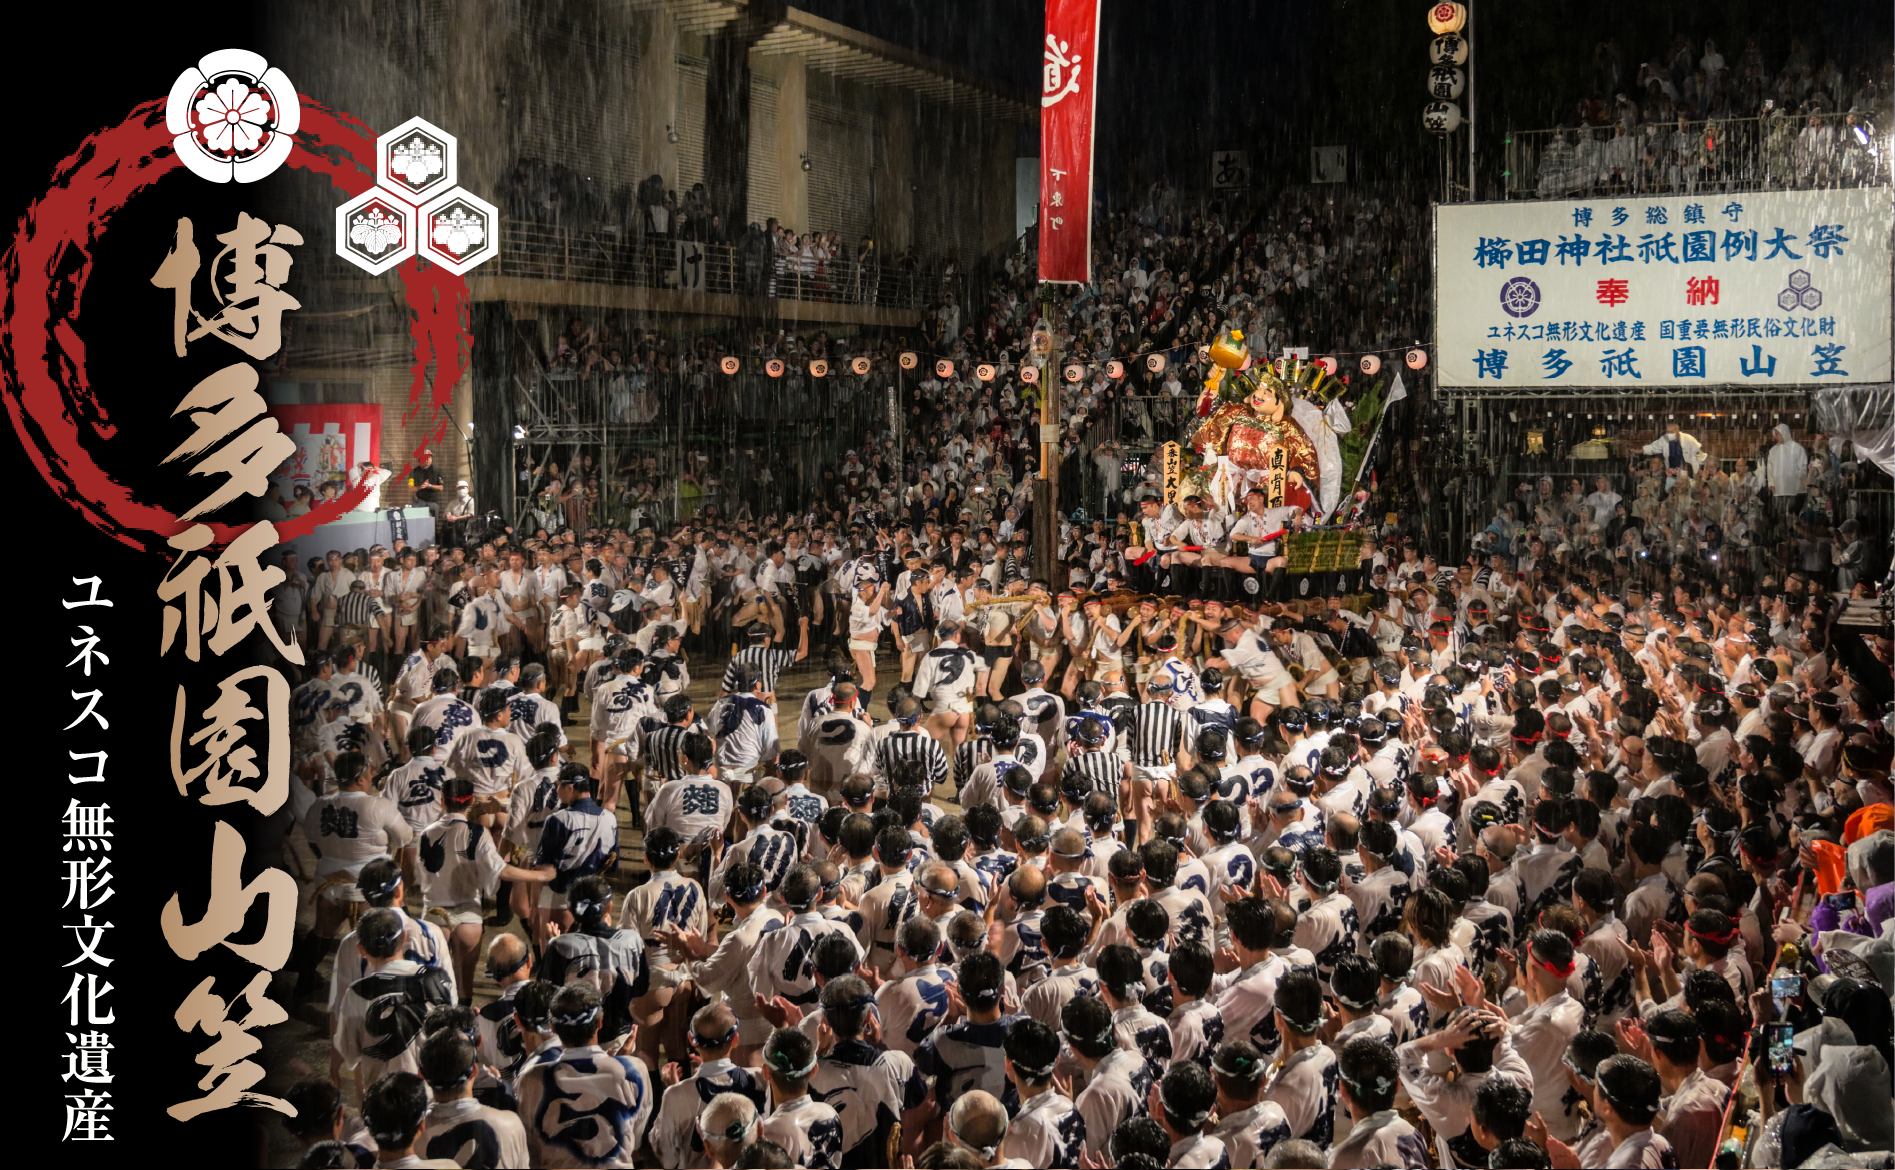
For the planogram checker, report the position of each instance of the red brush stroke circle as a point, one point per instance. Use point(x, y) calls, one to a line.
point(43, 277)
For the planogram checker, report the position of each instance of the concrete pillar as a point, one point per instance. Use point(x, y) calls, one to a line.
point(894, 201)
point(792, 141)
point(996, 185)
point(727, 120)
point(652, 90)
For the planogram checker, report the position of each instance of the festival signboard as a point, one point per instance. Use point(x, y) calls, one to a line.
point(1778, 288)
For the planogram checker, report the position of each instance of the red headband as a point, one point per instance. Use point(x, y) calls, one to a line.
point(1531, 738)
point(1726, 939)
point(1555, 969)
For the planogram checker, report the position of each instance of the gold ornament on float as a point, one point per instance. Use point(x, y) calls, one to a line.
point(1248, 436)
point(1229, 351)
point(1536, 442)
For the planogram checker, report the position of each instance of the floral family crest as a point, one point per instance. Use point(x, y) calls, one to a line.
point(232, 117)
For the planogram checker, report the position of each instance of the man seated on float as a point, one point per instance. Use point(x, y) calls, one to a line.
point(1197, 536)
point(1148, 559)
point(1264, 531)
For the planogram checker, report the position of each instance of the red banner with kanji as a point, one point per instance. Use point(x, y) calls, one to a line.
point(1067, 86)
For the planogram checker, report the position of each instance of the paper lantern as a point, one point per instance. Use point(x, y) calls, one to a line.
point(984, 371)
point(1115, 369)
point(908, 360)
point(1075, 372)
point(1441, 118)
point(1447, 17)
point(819, 368)
point(730, 365)
point(1417, 359)
point(1029, 374)
point(774, 367)
point(1448, 50)
point(944, 368)
point(1371, 365)
point(858, 366)
point(1155, 363)
point(1327, 364)
point(1446, 82)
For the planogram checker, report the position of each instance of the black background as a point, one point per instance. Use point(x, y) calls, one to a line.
point(74, 70)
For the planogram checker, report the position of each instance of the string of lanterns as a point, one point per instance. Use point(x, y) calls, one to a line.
point(1368, 361)
point(1446, 82)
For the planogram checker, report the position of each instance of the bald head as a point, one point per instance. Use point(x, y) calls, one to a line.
point(1498, 841)
point(939, 875)
point(507, 960)
point(1027, 885)
point(714, 1028)
point(1069, 849)
point(978, 1121)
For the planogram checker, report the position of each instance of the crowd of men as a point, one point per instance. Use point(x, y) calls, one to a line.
point(1530, 856)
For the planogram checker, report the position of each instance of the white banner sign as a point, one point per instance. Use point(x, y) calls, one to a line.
point(1230, 169)
point(1752, 289)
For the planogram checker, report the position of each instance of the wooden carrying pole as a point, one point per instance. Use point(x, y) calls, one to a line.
point(1046, 485)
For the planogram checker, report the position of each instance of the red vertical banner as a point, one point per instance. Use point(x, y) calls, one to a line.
point(1068, 83)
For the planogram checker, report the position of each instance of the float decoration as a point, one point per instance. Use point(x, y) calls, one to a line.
point(1265, 426)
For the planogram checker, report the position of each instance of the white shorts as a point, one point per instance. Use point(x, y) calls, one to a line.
point(459, 915)
point(483, 651)
point(961, 706)
point(593, 644)
point(1156, 773)
point(865, 644)
point(663, 978)
point(345, 892)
